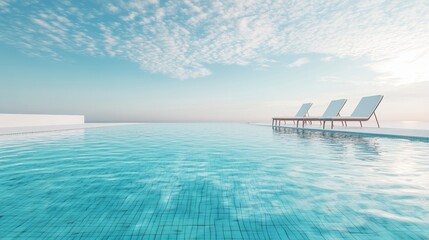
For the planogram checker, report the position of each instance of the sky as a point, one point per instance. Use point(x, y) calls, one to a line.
point(246, 61)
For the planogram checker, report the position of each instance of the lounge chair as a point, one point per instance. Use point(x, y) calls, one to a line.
point(302, 112)
point(363, 112)
point(333, 110)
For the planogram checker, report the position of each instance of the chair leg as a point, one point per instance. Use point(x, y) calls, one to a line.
point(375, 115)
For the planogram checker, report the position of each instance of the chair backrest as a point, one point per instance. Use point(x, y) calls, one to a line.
point(334, 108)
point(367, 106)
point(303, 110)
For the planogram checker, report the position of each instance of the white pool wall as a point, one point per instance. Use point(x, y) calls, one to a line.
point(29, 120)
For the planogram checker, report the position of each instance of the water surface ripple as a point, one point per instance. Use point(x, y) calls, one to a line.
point(212, 181)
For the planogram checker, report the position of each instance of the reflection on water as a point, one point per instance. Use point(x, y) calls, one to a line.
point(219, 181)
point(364, 148)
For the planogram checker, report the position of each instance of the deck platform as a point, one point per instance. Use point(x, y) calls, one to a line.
point(393, 129)
point(38, 129)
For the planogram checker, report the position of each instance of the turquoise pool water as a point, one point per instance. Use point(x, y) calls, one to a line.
point(212, 181)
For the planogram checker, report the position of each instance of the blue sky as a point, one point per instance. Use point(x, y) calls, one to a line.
point(211, 60)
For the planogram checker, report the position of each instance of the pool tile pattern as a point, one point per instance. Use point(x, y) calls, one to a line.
point(208, 181)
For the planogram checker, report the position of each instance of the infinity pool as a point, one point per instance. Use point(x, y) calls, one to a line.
point(212, 181)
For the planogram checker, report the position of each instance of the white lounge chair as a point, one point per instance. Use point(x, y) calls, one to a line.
point(302, 112)
point(333, 110)
point(363, 112)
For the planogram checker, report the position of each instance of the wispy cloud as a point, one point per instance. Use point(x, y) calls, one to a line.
point(263, 64)
point(299, 62)
point(327, 59)
point(183, 38)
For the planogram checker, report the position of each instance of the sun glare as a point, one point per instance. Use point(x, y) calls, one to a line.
point(407, 67)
